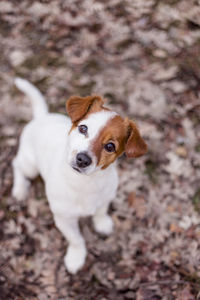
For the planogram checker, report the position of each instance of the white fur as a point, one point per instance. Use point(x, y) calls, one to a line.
point(47, 148)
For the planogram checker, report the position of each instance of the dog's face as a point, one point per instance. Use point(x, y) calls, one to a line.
point(98, 136)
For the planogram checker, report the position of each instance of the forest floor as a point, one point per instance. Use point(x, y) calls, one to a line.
point(143, 57)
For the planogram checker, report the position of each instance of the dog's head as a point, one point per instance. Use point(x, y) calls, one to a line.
point(98, 135)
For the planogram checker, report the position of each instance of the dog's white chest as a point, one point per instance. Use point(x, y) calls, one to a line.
point(82, 195)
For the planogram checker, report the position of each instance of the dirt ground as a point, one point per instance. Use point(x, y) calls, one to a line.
point(144, 58)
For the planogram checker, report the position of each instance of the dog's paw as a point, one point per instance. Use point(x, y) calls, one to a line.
point(75, 258)
point(103, 224)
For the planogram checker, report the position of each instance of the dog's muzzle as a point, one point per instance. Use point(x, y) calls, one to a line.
point(83, 160)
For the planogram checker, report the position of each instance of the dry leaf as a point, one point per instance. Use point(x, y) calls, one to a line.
point(138, 204)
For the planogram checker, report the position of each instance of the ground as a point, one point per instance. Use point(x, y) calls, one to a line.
point(143, 57)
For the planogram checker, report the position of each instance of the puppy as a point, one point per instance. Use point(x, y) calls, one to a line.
point(76, 158)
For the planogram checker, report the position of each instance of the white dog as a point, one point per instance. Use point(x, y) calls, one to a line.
point(75, 158)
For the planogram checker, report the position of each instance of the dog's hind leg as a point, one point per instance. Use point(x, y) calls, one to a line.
point(21, 183)
point(23, 170)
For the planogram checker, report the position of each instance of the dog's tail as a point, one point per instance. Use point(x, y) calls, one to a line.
point(38, 102)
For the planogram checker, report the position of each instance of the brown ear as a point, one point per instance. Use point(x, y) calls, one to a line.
point(79, 107)
point(135, 145)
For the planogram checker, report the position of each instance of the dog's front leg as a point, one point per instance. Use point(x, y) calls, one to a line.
point(76, 253)
point(102, 221)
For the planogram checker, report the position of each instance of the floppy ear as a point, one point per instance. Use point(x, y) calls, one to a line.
point(135, 145)
point(78, 107)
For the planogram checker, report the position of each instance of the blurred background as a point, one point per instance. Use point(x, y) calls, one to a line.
point(144, 58)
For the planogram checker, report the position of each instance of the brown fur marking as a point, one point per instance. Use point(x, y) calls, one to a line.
point(78, 107)
point(126, 137)
point(115, 132)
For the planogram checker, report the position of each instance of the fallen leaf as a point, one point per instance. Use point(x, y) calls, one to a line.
point(138, 204)
point(181, 151)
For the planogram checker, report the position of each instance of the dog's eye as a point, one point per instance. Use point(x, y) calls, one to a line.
point(110, 147)
point(83, 129)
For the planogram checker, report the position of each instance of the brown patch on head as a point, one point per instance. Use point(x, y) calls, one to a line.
point(79, 107)
point(115, 132)
point(125, 135)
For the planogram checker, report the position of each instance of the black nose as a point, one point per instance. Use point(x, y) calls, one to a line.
point(83, 160)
